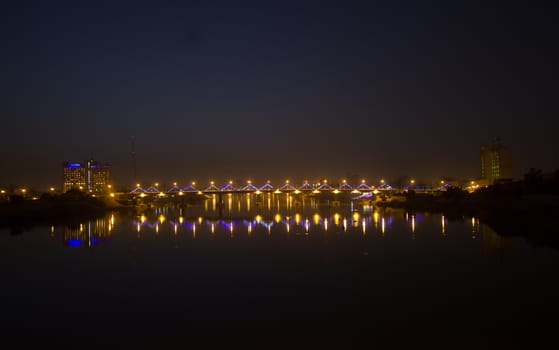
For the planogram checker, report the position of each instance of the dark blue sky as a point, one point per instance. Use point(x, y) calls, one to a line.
point(234, 89)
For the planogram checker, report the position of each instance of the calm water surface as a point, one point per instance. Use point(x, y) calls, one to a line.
point(266, 270)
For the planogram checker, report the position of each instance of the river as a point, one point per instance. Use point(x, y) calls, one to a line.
point(248, 270)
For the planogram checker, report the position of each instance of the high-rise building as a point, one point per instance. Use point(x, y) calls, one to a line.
point(73, 176)
point(496, 162)
point(90, 176)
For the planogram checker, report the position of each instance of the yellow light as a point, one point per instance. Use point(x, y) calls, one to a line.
point(161, 218)
point(336, 191)
point(2, 191)
point(211, 182)
point(23, 190)
point(316, 219)
point(156, 184)
point(297, 191)
point(412, 181)
point(137, 185)
point(381, 181)
point(442, 181)
point(355, 216)
point(193, 183)
point(174, 183)
point(180, 193)
point(297, 219)
point(112, 195)
point(200, 220)
point(277, 191)
point(52, 189)
point(343, 181)
point(257, 192)
point(277, 218)
point(230, 182)
point(142, 195)
point(325, 181)
point(258, 218)
point(363, 181)
point(336, 219)
point(316, 191)
point(143, 218)
point(249, 182)
point(181, 219)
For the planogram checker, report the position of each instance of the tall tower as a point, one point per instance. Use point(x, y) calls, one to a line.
point(133, 155)
point(496, 162)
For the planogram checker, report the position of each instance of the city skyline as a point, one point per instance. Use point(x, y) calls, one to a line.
point(495, 165)
point(236, 91)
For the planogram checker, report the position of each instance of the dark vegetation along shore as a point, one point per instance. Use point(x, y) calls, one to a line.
point(70, 207)
point(527, 208)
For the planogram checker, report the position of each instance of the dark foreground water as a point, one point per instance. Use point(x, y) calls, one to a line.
point(310, 276)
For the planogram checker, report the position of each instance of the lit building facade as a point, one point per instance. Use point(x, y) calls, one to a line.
point(496, 162)
point(90, 176)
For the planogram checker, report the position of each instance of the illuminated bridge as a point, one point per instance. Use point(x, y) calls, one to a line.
point(268, 187)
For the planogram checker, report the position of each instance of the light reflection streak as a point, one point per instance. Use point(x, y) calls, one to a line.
point(167, 220)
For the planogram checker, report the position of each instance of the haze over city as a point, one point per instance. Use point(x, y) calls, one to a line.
point(274, 90)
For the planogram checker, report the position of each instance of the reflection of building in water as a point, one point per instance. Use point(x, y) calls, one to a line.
point(90, 232)
point(492, 241)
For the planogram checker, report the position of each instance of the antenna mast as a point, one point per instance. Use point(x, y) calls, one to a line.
point(133, 154)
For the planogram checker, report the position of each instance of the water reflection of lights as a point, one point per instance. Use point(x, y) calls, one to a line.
point(176, 223)
point(92, 233)
point(277, 223)
point(475, 227)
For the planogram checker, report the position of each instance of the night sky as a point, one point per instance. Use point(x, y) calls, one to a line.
point(219, 90)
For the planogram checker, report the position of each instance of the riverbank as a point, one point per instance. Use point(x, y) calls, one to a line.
point(24, 214)
point(529, 216)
